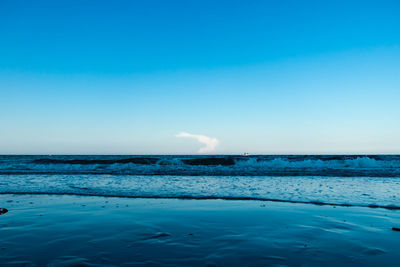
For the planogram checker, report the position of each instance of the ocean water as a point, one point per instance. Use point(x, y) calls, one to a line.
point(347, 180)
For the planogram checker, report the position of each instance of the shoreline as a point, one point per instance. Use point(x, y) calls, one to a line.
point(93, 230)
point(228, 198)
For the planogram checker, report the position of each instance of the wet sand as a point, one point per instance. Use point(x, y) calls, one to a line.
point(85, 231)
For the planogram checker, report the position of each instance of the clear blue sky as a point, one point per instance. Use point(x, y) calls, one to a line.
point(124, 77)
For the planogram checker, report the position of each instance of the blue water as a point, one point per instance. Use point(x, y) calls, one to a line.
point(361, 180)
point(262, 165)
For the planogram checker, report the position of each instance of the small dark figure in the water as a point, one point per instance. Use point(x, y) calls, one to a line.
point(3, 211)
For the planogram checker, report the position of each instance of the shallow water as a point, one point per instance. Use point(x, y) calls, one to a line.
point(179, 210)
point(358, 191)
point(90, 231)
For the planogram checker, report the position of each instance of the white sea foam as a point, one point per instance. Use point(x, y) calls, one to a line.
point(363, 191)
point(382, 166)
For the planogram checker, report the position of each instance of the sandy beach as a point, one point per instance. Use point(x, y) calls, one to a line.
point(53, 230)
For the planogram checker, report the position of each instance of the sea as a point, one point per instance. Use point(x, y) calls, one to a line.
point(343, 180)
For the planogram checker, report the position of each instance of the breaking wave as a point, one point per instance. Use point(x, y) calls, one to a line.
point(264, 165)
point(343, 180)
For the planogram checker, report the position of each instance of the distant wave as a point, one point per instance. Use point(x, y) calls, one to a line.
point(138, 160)
point(264, 165)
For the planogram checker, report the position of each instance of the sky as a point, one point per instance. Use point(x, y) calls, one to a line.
point(137, 77)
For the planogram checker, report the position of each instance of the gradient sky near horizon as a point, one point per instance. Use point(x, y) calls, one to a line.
point(264, 77)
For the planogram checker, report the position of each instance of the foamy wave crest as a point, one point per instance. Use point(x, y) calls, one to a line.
point(289, 165)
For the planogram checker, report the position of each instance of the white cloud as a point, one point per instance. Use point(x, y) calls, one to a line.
point(210, 142)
